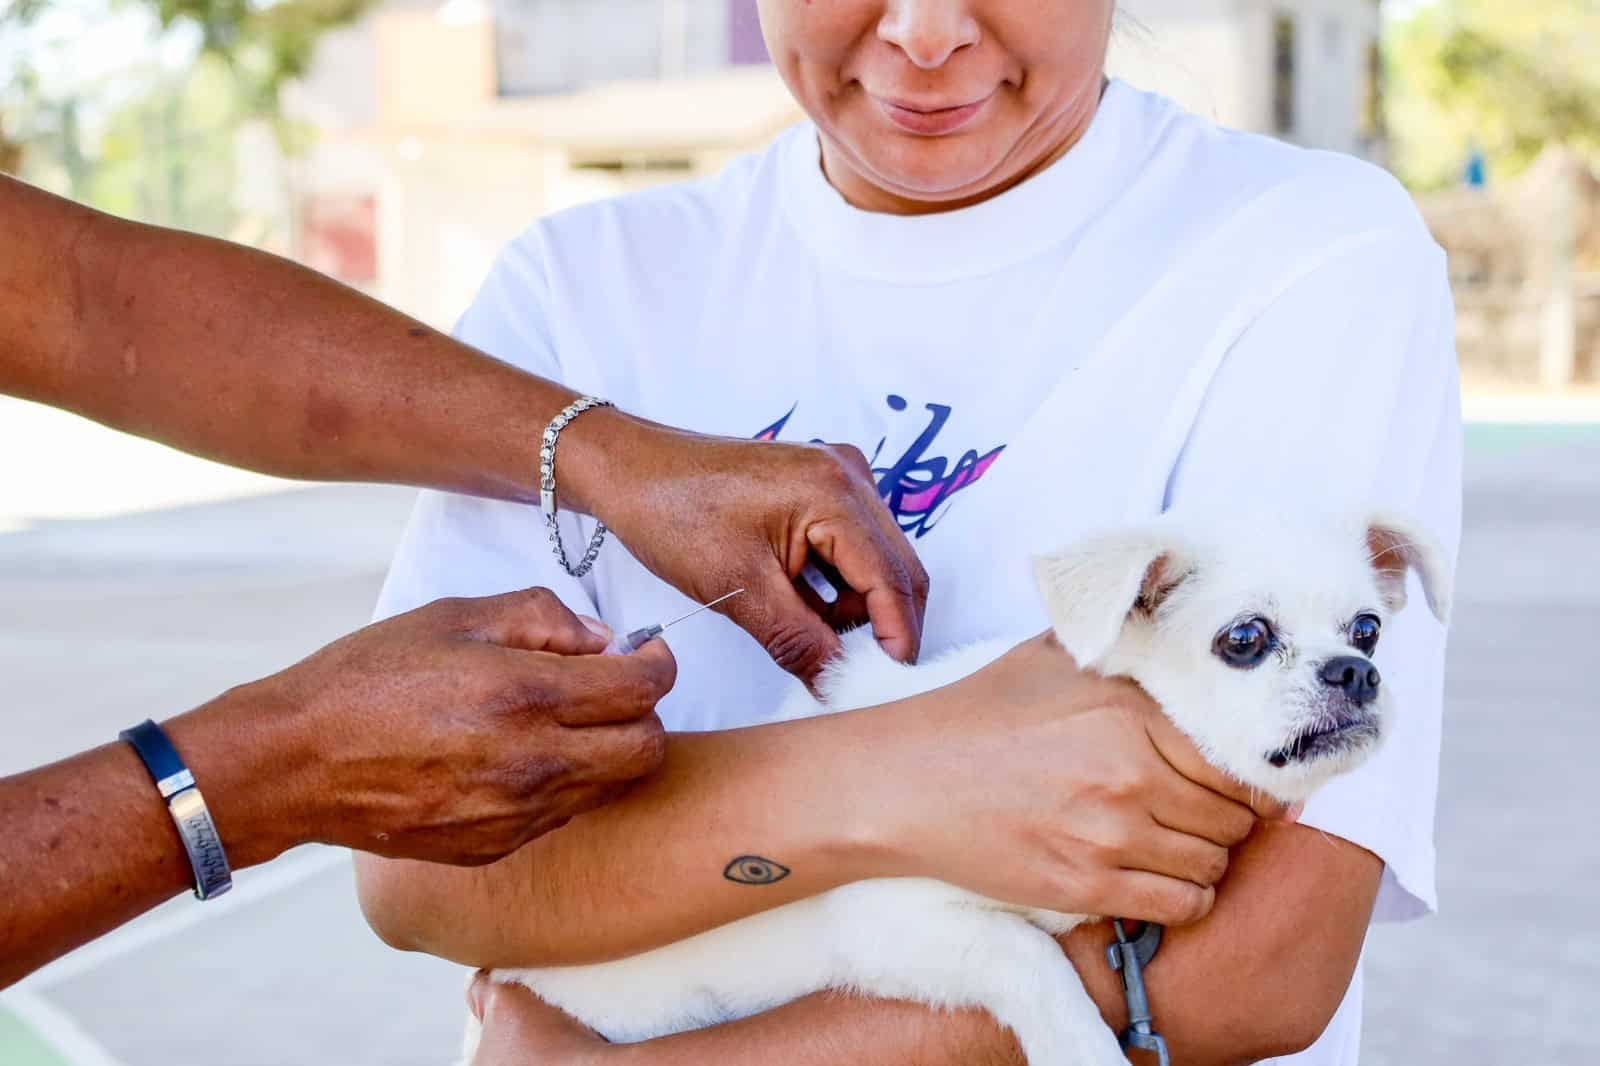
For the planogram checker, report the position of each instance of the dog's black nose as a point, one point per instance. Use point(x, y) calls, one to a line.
point(1355, 675)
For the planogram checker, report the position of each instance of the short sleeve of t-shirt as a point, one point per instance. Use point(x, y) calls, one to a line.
point(1344, 391)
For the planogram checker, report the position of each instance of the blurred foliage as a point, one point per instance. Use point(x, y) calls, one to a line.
point(266, 44)
point(1503, 78)
point(165, 154)
point(158, 137)
point(168, 156)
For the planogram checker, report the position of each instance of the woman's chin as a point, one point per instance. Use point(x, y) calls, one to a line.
point(935, 174)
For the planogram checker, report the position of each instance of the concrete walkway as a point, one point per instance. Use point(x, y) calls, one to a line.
point(106, 620)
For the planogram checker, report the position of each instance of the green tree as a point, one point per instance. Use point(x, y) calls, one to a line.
point(1504, 78)
point(262, 45)
point(267, 45)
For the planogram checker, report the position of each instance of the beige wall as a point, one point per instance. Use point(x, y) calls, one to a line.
point(432, 69)
point(444, 212)
point(447, 206)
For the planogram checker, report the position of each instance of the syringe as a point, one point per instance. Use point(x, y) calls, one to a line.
point(640, 637)
point(819, 584)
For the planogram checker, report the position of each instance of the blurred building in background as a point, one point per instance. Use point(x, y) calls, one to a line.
point(398, 152)
point(1525, 269)
point(1308, 71)
point(445, 128)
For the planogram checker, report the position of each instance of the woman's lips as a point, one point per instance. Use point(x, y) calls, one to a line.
point(930, 121)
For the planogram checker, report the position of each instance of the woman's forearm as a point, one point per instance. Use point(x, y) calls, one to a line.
point(889, 791)
point(1258, 978)
point(828, 1029)
point(652, 868)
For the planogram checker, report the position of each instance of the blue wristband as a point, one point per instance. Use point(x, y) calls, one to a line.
point(212, 875)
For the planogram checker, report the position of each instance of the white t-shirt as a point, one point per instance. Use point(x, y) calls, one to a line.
point(1172, 314)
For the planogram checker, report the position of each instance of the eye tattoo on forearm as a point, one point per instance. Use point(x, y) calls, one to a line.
point(754, 870)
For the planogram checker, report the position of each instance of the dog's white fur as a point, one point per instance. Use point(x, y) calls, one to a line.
point(1146, 603)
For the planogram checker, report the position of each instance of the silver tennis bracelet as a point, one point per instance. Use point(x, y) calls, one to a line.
point(547, 486)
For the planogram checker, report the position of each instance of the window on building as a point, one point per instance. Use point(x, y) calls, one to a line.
point(635, 164)
point(1283, 74)
point(552, 46)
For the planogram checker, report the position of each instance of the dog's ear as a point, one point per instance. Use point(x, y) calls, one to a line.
point(1091, 589)
point(1395, 545)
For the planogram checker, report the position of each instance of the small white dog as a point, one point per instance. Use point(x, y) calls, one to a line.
point(1255, 638)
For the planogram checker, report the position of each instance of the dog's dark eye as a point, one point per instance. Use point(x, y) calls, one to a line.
point(1245, 644)
point(1364, 633)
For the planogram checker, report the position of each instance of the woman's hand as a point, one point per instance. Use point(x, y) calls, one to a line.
point(520, 1029)
point(1040, 784)
point(710, 514)
point(452, 734)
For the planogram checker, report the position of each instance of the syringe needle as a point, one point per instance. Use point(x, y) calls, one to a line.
point(702, 607)
point(631, 643)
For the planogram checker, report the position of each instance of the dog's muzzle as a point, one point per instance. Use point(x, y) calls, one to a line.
point(1347, 721)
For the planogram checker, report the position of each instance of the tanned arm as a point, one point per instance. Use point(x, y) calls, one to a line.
point(454, 733)
point(1079, 820)
point(246, 358)
point(1260, 977)
point(250, 359)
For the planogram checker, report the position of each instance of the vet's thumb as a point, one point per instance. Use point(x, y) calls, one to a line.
point(797, 638)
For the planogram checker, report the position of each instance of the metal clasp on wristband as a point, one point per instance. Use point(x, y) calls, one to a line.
point(212, 874)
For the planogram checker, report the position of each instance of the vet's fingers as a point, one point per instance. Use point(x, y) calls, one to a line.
point(895, 537)
point(568, 804)
point(793, 633)
point(620, 753)
point(848, 609)
point(1181, 754)
point(1148, 897)
point(533, 620)
point(588, 690)
point(886, 572)
point(1198, 811)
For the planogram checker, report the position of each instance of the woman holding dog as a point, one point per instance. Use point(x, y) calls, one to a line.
point(1040, 304)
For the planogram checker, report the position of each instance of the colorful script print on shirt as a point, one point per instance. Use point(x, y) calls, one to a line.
point(916, 485)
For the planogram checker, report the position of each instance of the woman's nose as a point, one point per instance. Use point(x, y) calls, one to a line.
point(928, 31)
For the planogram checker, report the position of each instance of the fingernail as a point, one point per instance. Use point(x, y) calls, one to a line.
point(1294, 812)
point(595, 626)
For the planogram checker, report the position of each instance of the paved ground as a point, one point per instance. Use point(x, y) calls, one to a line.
point(103, 621)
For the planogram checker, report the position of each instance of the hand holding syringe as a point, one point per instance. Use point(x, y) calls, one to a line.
point(632, 642)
